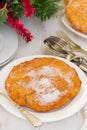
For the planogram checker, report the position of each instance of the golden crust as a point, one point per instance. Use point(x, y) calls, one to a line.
point(42, 84)
point(76, 13)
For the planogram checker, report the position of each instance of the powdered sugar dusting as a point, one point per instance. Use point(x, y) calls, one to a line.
point(41, 82)
point(47, 70)
point(50, 97)
point(31, 73)
point(45, 82)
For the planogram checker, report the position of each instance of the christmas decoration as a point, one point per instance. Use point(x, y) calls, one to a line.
point(44, 9)
point(12, 10)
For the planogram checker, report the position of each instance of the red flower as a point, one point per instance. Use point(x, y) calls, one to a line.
point(18, 26)
point(28, 9)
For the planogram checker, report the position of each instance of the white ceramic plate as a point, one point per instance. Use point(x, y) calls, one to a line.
point(8, 60)
point(67, 24)
point(71, 108)
point(8, 44)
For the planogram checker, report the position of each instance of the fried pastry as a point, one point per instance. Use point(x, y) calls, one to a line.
point(43, 84)
point(76, 13)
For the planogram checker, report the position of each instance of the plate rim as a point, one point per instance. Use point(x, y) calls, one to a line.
point(45, 118)
point(67, 24)
point(14, 46)
point(9, 59)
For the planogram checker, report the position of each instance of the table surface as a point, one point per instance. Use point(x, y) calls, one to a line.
point(42, 30)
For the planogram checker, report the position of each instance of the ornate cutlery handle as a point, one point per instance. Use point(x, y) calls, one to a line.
point(81, 62)
point(35, 121)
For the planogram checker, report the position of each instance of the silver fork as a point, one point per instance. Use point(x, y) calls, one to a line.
point(35, 121)
point(71, 43)
point(59, 51)
point(57, 42)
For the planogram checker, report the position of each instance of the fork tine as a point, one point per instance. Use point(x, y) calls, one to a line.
point(58, 41)
point(58, 47)
point(64, 43)
point(52, 44)
point(65, 36)
point(68, 41)
point(72, 44)
point(61, 44)
point(53, 41)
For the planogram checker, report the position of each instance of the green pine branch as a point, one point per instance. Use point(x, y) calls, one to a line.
point(16, 8)
point(3, 14)
point(44, 9)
